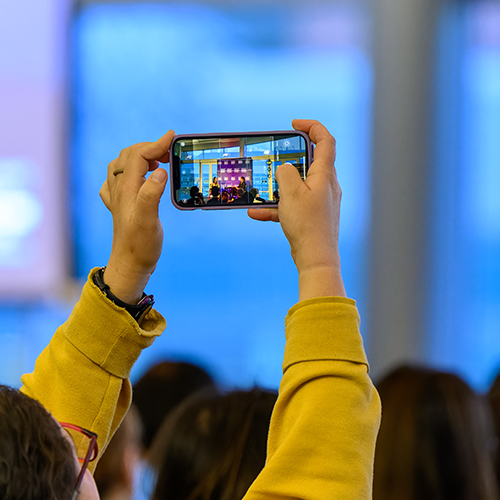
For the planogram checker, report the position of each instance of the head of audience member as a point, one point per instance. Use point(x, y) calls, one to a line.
point(215, 191)
point(213, 446)
point(241, 192)
point(162, 388)
point(224, 197)
point(193, 192)
point(254, 192)
point(115, 474)
point(435, 440)
point(276, 196)
point(494, 400)
point(36, 458)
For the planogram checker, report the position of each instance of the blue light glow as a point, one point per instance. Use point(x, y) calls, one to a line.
point(21, 212)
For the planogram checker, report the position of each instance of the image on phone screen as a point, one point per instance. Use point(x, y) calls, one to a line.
point(233, 170)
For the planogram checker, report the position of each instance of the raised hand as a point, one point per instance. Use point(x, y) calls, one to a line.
point(309, 213)
point(137, 231)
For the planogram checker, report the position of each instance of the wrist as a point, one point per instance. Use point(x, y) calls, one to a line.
point(124, 283)
point(321, 281)
point(316, 257)
point(137, 310)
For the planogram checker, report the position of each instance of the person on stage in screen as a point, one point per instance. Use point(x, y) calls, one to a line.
point(214, 183)
point(242, 185)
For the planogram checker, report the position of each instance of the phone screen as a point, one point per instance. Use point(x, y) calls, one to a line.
point(233, 170)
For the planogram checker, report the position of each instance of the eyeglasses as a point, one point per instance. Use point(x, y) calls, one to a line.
point(86, 449)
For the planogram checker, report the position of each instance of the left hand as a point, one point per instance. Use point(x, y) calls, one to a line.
point(137, 231)
point(309, 214)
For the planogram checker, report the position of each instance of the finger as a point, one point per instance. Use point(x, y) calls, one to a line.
point(149, 195)
point(111, 168)
point(264, 214)
point(153, 165)
point(159, 150)
point(105, 195)
point(138, 160)
point(289, 180)
point(324, 153)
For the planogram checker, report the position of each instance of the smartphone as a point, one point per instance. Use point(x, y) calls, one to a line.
point(233, 170)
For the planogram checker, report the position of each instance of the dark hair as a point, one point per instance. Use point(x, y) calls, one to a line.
point(193, 191)
point(494, 400)
point(213, 446)
point(435, 439)
point(254, 192)
point(36, 460)
point(215, 191)
point(162, 388)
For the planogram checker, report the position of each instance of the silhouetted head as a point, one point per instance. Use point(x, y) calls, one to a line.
point(435, 441)
point(494, 400)
point(162, 388)
point(194, 191)
point(215, 191)
point(36, 460)
point(213, 446)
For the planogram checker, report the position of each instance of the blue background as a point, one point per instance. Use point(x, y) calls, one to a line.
point(137, 69)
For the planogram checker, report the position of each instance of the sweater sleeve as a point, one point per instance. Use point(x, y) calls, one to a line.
point(324, 426)
point(82, 376)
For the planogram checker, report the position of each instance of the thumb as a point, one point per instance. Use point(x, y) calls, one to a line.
point(105, 195)
point(150, 193)
point(288, 179)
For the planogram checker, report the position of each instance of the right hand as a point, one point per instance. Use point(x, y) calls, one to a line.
point(133, 200)
point(309, 213)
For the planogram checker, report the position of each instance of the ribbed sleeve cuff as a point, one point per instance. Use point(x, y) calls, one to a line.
point(324, 328)
point(107, 334)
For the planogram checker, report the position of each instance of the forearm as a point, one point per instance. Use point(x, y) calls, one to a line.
point(321, 282)
point(324, 425)
point(82, 375)
point(123, 283)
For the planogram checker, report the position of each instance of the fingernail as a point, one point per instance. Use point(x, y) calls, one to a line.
point(159, 175)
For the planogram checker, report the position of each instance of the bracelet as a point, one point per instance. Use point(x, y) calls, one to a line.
point(138, 311)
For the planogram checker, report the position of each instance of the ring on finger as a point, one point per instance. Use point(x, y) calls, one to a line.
point(118, 171)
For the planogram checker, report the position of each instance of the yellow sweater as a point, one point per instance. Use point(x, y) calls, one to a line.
point(82, 376)
point(325, 422)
